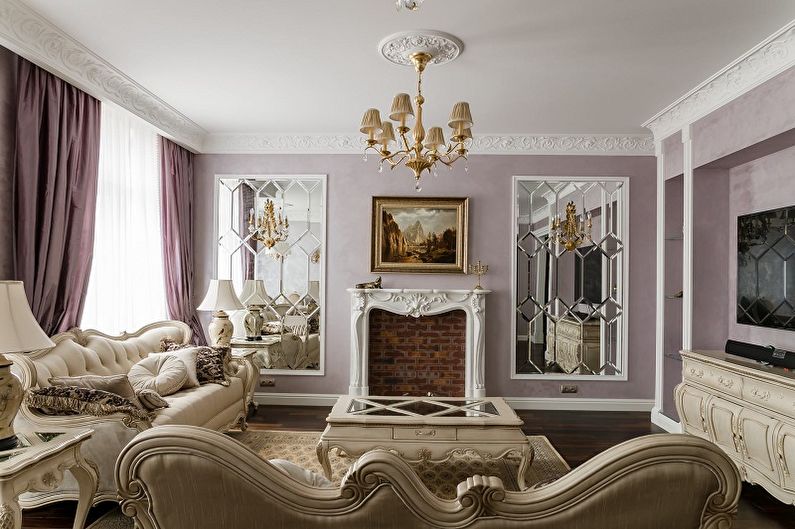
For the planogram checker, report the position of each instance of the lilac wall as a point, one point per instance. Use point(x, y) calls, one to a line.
point(765, 111)
point(352, 183)
point(673, 155)
point(7, 127)
point(762, 184)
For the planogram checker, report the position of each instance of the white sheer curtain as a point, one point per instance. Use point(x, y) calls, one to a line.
point(126, 290)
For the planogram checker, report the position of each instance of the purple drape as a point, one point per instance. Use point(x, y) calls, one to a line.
point(55, 194)
point(176, 218)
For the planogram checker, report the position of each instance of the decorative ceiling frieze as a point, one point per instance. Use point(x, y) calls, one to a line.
point(25, 32)
point(771, 57)
point(582, 144)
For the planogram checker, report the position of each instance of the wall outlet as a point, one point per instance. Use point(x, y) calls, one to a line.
point(568, 388)
point(267, 382)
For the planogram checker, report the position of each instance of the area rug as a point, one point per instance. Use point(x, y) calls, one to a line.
point(440, 478)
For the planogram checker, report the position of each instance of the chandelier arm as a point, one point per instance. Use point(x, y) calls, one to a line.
point(393, 155)
point(394, 164)
point(405, 141)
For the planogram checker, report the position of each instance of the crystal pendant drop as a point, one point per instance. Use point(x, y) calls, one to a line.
point(435, 174)
point(466, 167)
point(417, 187)
point(364, 157)
point(380, 168)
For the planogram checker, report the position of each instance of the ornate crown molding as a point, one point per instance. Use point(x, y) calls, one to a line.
point(25, 32)
point(398, 47)
point(766, 60)
point(587, 144)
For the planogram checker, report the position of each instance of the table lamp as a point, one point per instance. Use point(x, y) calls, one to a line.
point(19, 333)
point(220, 298)
point(255, 297)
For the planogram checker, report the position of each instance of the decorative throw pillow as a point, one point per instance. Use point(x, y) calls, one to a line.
point(73, 399)
point(210, 364)
point(299, 473)
point(151, 400)
point(163, 373)
point(207, 361)
point(116, 384)
point(189, 357)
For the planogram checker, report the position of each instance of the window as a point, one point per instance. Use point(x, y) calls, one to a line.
point(126, 290)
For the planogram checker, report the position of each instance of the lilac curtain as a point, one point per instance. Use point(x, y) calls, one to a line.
point(55, 194)
point(176, 217)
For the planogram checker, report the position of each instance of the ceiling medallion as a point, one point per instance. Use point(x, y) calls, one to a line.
point(421, 152)
point(441, 46)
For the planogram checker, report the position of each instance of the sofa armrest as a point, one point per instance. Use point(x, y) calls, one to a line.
point(49, 422)
point(247, 370)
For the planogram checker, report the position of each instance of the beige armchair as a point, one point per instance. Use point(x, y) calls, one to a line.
point(179, 477)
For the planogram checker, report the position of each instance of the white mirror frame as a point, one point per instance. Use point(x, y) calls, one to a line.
point(623, 337)
point(324, 252)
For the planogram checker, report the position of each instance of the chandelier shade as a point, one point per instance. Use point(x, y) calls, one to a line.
point(401, 108)
point(387, 135)
point(435, 138)
point(371, 122)
point(460, 117)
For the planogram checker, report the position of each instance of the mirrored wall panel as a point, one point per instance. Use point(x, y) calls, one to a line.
point(570, 266)
point(270, 242)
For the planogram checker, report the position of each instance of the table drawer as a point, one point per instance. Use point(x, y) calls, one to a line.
point(714, 377)
point(424, 433)
point(771, 396)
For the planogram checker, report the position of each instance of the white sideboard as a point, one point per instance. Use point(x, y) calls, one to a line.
point(746, 409)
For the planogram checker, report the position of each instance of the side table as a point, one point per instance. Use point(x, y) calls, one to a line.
point(245, 353)
point(38, 464)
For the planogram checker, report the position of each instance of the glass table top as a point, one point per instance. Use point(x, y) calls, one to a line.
point(26, 440)
point(422, 408)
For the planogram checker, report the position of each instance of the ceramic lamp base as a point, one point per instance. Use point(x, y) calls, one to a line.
point(220, 330)
point(10, 398)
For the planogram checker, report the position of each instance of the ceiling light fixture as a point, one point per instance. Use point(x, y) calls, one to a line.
point(422, 151)
point(411, 5)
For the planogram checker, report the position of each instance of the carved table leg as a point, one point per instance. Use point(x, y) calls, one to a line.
point(85, 472)
point(322, 457)
point(524, 464)
point(10, 513)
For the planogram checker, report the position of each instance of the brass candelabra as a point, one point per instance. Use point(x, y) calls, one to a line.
point(480, 269)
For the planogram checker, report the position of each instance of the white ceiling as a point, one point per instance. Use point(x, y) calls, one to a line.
point(528, 66)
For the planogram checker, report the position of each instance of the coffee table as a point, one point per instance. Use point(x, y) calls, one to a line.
point(425, 429)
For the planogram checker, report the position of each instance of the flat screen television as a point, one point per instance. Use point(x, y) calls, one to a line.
point(766, 268)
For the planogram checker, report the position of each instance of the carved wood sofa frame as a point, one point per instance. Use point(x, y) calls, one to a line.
point(175, 477)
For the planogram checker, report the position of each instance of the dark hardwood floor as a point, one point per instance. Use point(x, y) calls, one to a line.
point(577, 435)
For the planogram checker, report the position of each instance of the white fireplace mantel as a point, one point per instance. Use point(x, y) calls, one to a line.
point(416, 303)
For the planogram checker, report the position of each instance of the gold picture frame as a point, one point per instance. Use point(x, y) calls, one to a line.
point(426, 235)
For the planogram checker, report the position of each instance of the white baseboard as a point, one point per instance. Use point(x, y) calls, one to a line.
point(519, 403)
point(584, 404)
point(664, 422)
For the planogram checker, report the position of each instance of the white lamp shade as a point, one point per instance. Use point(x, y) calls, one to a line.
point(221, 296)
point(19, 330)
point(254, 292)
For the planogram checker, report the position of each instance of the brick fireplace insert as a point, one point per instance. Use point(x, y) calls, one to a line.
point(417, 356)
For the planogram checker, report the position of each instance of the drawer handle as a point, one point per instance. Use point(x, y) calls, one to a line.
point(425, 433)
point(726, 382)
point(696, 372)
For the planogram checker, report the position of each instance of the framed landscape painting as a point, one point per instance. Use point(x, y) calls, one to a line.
point(422, 235)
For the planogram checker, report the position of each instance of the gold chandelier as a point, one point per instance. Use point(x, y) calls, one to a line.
point(422, 152)
point(571, 232)
point(269, 228)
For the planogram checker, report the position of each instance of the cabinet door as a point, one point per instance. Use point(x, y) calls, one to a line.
point(785, 452)
point(756, 435)
point(691, 404)
point(723, 421)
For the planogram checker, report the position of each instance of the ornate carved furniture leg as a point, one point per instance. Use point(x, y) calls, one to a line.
point(322, 457)
point(524, 464)
point(10, 513)
point(85, 472)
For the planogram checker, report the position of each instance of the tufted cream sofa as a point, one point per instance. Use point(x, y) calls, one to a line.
point(172, 477)
point(79, 352)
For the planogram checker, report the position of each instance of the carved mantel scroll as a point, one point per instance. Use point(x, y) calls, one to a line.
point(416, 303)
